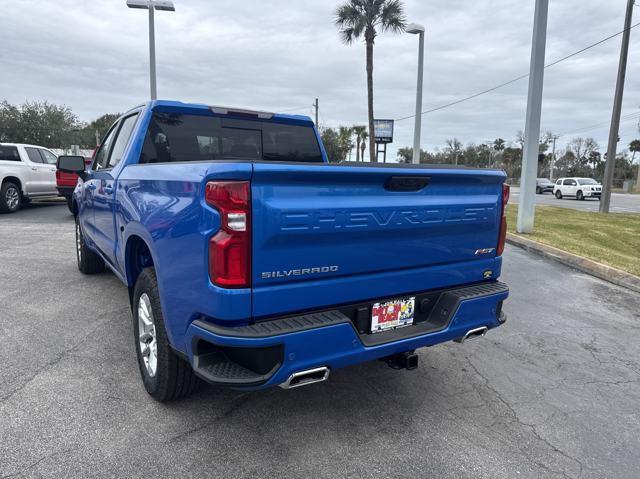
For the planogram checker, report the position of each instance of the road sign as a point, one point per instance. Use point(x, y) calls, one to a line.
point(383, 131)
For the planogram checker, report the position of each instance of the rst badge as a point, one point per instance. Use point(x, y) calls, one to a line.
point(485, 250)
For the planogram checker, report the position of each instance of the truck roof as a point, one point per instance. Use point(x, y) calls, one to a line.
point(222, 110)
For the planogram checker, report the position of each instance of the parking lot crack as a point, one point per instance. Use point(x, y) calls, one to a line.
point(59, 357)
point(236, 405)
point(531, 427)
point(35, 463)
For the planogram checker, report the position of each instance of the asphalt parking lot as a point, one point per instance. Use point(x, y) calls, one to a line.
point(553, 393)
point(620, 203)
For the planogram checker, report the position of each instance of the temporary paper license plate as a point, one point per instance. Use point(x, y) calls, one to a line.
point(392, 314)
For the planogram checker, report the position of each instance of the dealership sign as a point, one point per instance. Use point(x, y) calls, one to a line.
point(383, 130)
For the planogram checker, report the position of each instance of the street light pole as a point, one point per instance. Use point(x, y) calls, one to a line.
point(151, 5)
point(609, 167)
point(526, 208)
point(152, 53)
point(418, 29)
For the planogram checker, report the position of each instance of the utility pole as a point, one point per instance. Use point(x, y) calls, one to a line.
point(609, 168)
point(527, 207)
point(553, 157)
point(315, 106)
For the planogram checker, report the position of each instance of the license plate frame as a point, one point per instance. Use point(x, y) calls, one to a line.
point(392, 314)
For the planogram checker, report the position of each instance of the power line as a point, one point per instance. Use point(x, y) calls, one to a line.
point(501, 85)
point(630, 116)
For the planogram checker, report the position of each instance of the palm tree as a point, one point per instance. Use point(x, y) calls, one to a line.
point(363, 147)
point(363, 18)
point(359, 130)
point(344, 139)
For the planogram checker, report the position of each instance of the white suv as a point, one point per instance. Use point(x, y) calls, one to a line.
point(26, 171)
point(580, 188)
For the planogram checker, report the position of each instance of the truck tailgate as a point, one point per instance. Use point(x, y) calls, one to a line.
point(332, 234)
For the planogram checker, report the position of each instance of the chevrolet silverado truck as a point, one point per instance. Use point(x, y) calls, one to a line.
point(252, 262)
point(26, 172)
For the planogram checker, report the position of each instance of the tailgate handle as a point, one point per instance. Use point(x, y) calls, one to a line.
point(406, 183)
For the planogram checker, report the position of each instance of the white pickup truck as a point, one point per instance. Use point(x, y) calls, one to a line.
point(26, 171)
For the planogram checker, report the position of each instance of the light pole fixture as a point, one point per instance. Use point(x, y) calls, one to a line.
point(415, 28)
point(151, 5)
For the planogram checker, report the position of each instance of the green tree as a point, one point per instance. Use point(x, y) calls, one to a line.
point(337, 143)
point(345, 139)
point(93, 133)
point(634, 147)
point(453, 149)
point(363, 18)
point(38, 123)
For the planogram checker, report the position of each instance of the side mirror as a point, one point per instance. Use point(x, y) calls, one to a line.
point(72, 164)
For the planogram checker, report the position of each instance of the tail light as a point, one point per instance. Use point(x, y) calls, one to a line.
point(230, 248)
point(502, 237)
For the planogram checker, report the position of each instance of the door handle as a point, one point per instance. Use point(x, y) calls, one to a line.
point(91, 186)
point(33, 168)
point(108, 190)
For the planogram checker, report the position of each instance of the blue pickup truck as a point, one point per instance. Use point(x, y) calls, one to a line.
point(251, 261)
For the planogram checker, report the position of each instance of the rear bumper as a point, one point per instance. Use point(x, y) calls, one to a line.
point(266, 354)
point(65, 191)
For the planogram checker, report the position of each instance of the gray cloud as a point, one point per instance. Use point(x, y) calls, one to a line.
point(277, 54)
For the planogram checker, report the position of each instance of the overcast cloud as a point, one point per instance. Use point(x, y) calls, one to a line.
point(280, 55)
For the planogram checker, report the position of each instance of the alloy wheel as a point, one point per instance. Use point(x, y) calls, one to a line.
point(147, 335)
point(12, 198)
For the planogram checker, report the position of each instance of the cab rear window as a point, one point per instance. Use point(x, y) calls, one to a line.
point(175, 138)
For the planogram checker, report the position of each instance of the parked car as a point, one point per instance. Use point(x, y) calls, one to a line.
point(66, 183)
point(252, 262)
point(26, 172)
point(544, 185)
point(580, 188)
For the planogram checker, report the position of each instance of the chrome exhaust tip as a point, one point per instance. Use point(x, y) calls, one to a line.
point(472, 334)
point(304, 378)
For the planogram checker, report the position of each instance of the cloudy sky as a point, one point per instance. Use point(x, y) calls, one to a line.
point(279, 55)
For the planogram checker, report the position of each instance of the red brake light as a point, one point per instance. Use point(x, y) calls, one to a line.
point(230, 247)
point(502, 237)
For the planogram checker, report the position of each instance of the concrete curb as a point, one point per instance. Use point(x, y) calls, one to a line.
point(599, 270)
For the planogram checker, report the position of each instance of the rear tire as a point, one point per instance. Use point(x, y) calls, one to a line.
point(559, 194)
point(539, 191)
point(579, 196)
point(10, 197)
point(88, 261)
point(165, 375)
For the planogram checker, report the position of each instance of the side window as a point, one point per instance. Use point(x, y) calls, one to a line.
point(559, 182)
point(568, 182)
point(9, 153)
point(34, 155)
point(49, 158)
point(100, 161)
point(122, 140)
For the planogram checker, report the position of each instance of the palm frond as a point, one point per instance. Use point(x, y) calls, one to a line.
point(349, 19)
point(392, 17)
